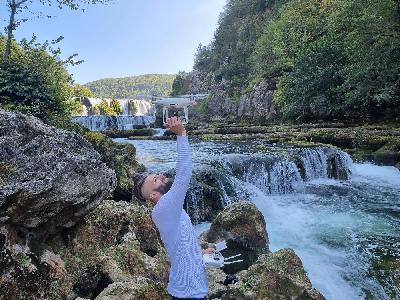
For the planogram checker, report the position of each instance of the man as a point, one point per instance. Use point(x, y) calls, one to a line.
point(187, 277)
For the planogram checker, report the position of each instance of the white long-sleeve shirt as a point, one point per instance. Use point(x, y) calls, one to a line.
point(187, 277)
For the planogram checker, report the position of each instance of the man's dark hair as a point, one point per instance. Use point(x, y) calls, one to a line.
point(138, 180)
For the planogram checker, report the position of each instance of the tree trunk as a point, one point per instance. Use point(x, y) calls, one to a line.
point(10, 29)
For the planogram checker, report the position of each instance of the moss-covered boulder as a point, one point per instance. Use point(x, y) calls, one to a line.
point(243, 227)
point(115, 243)
point(121, 158)
point(279, 275)
point(139, 288)
point(25, 274)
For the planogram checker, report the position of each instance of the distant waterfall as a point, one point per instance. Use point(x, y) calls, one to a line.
point(143, 116)
point(101, 123)
point(143, 107)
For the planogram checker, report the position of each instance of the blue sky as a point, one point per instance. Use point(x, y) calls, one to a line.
point(127, 37)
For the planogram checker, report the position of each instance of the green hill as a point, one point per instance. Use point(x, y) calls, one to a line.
point(129, 87)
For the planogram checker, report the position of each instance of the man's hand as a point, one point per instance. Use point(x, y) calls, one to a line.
point(175, 125)
point(209, 250)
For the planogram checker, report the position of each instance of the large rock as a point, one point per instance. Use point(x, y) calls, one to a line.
point(116, 243)
point(140, 288)
point(50, 178)
point(243, 227)
point(279, 275)
point(102, 256)
point(121, 157)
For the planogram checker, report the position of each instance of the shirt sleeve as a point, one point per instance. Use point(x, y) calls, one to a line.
point(166, 213)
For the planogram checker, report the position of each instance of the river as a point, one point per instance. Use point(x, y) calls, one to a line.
point(346, 232)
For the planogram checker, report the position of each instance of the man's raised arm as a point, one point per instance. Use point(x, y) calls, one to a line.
point(169, 208)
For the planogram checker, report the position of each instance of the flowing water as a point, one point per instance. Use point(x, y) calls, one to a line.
point(346, 231)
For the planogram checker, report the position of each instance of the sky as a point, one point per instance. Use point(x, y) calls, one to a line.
point(126, 37)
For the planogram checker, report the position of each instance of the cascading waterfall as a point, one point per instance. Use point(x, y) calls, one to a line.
point(315, 163)
point(101, 123)
point(144, 115)
point(274, 174)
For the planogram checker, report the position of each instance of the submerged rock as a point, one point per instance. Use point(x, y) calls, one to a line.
point(243, 227)
point(50, 178)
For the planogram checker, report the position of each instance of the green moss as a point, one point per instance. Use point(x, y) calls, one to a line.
point(23, 260)
point(128, 133)
point(95, 137)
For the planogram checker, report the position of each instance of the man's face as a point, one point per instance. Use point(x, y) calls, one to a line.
point(155, 185)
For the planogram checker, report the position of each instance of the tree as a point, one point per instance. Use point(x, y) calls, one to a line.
point(181, 84)
point(17, 6)
point(34, 82)
point(81, 91)
point(116, 107)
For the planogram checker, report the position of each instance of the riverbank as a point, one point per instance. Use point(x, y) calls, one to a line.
point(377, 143)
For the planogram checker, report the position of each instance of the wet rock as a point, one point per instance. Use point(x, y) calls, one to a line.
point(121, 158)
point(50, 178)
point(279, 275)
point(243, 227)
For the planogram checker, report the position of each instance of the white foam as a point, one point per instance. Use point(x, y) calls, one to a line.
point(374, 173)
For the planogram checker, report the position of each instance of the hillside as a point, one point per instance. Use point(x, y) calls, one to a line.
point(301, 60)
point(129, 87)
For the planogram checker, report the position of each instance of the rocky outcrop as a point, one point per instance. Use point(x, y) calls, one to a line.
point(105, 254)
point(256, 104)
point(50, 178)
point(121, 157)
point(140, 288)
point(243, 227)
point(259, 102)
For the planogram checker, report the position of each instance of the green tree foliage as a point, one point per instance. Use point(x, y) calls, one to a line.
point(181, 84)
point(227, 57)
point(131, 87)
point(79, 90)
point(330, 58)
point(34, 82)
point(335, 58)
point(116, 107)
point(105, 109)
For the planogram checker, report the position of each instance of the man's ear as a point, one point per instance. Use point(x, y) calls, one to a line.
point(152, 196)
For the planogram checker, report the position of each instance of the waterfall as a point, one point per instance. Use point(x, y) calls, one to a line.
point(315, 163)
point(285, 172)
point(101, 123)
point(143, 107)
point(272, 174)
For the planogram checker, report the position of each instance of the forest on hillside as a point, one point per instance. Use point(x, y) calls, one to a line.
point(130, 87)
point(325, 59)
